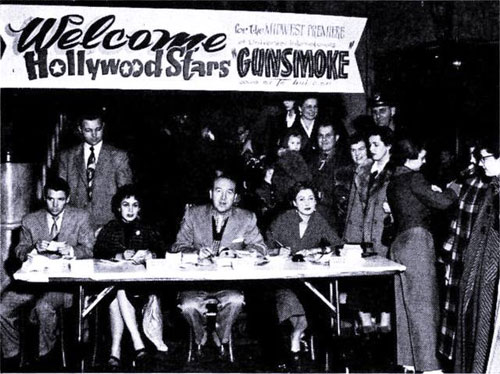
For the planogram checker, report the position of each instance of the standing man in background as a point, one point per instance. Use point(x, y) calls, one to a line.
point(383, 111)
point(94, 170)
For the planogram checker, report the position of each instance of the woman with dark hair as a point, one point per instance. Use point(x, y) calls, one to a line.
point(127, 238)
point(411, 199)
point(296, 230)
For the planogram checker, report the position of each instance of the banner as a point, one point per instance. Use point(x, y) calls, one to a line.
point(177, 49)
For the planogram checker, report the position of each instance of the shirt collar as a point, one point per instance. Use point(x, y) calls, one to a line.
point(308, 131)
point(224, 215)
point(97, 148)
point(377, 167)
point(50, 219)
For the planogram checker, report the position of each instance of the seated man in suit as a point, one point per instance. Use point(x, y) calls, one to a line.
point(71, 229)
point(94, 170)
point(212, 230)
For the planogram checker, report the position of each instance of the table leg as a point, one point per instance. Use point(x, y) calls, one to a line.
point(81, 306)
point(337, 304)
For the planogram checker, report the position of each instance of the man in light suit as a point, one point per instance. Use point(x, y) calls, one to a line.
point(57, 230)
point(216, 229)
point(94, 170)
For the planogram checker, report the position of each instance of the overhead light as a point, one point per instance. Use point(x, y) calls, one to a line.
point(457, 63)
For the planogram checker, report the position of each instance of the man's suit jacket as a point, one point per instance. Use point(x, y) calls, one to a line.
point(112, 171)
point(75, 230)
point(196, 230)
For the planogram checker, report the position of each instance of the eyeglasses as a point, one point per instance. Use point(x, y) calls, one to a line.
point(484, 158)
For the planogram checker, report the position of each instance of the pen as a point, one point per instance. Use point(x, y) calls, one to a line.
point(278, 242)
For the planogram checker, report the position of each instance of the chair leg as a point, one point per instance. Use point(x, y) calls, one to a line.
point(190, 346)
point(231, 356)
point(96, 337)
point(62, 339)
point(311, 344)
point(23, 320)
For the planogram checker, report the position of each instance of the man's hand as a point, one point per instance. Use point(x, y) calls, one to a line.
point(66, 251)
point(205, 252)
point(42, 245)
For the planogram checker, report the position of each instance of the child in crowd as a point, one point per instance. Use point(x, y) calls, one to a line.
point(290, 167)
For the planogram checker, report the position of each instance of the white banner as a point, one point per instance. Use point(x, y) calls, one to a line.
point(177, 49)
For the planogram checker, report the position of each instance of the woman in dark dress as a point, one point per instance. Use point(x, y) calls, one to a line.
point(295, 230)
point(127, 238)
point(411, 199)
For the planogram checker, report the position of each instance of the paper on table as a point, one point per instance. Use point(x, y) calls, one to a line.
point(54, 246)
point(32, 277)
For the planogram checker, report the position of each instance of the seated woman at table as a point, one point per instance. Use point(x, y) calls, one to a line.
point(298, 230)
point(127, 238)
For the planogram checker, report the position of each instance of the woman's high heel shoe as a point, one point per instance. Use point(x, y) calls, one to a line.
point(113, 364)
point(140, 357)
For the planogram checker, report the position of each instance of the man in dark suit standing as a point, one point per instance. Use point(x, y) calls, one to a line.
point(56, 231)
point(94, 170)
point(212, 230)
point(323, 165)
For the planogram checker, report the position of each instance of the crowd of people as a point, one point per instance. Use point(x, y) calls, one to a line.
point(304, 185)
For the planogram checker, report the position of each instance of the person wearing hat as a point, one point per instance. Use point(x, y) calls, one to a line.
point(383, 110)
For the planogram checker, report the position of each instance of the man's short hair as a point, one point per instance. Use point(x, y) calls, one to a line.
point(385, 133)
point(356, 138)
point(336, 131)
point(56, 184)
point(124, 192)
point(90, 115)
point(228, 176)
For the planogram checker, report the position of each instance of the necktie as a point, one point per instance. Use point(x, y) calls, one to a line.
point(90, 172)
point(218, 223)
point(322, 161)
point(53, 230)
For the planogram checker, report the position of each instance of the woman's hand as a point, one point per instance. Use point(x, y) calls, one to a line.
point(436, 188)
point(128, 254)
point(141, 256)
point(285, 251)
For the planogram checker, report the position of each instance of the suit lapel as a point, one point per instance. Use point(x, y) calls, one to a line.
point(103, 161)
point(80, 163)
point(66, 220)
point(42, 224)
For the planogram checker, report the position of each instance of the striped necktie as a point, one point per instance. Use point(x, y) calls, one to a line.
point(54, 232)
point(90, 172)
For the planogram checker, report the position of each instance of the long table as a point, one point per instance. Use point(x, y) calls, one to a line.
point(175, 268)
